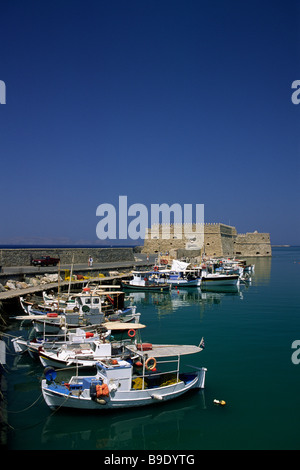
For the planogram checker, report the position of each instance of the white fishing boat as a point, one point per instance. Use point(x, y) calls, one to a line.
point(218, 279)
point(181, 275)
point(86, 354)
point(228, 266)
point(106, 300)
point(80, 310)
point(56, 323)
point(179, 280)
point(33, 345)
point(142, 380)
point(104, 297)
point(146, 281)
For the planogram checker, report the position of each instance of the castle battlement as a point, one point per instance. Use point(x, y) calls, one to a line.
point(211, 239)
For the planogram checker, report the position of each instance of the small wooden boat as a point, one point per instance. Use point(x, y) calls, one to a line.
point(87, 353)
point(124, 383)
point(80, 310)
point(34, 345)
point(145, 281)
point(182, 274)
point(216, 279)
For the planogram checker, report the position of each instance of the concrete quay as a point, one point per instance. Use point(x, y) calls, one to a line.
point(13, 293)
point(18, 273)
point(77, 268)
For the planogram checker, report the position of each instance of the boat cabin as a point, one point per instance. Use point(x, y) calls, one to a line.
point(118, 373)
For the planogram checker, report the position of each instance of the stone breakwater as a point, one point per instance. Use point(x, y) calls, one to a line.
point(38, 280)
point(23, 256)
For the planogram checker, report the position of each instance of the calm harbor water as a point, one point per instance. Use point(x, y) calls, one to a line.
point(248, 337)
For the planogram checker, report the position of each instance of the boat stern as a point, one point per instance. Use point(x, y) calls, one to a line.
point(201, 377)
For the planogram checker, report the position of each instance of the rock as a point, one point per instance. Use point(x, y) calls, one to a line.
point(21, 285)
point(33, 281)
point(10, 285)
point(53, 277)
point(50, 278)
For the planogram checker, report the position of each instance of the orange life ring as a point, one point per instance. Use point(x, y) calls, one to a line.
point(131, 333)
point(155, 268)
point(150, 363)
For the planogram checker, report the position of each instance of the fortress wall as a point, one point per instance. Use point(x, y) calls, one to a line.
point(253, 244)
point(219, 240)
point(22, 256)
point(212, 240)
point(228, 236)
point(227, 243)
point(177, 239)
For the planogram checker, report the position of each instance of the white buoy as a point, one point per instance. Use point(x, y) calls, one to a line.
point(155, 396)
point(101, 401)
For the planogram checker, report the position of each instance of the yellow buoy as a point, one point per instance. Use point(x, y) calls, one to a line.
point(220, 402)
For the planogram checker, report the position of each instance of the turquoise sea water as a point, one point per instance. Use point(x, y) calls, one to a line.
point(248, 354)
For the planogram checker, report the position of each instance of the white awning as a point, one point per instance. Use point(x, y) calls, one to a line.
point(115, 325)
point(166, 350)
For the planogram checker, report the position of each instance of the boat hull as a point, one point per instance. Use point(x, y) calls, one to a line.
point(184, 283)
point(20, 345)
point(57, 360)
point(230, 280)
point(57, 326)
point(57, 396)
point(150, 287)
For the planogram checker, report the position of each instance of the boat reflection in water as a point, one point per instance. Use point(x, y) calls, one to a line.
point(122, 430)
point(168, 303)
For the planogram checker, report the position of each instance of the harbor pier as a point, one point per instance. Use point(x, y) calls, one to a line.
point(16, 268)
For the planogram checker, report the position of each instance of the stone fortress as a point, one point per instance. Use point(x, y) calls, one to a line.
point(217, 240)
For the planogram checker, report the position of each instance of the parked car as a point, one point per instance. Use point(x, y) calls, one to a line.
point(45, 261)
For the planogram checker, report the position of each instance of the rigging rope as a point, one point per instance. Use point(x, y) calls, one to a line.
point(28, 407)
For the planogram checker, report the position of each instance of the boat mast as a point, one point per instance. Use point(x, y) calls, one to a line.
point(71, 273)
point(58, 286)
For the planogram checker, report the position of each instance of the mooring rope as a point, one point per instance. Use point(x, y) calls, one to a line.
point(27, 408)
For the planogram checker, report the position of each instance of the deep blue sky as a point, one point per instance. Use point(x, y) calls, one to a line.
point(161, 100)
